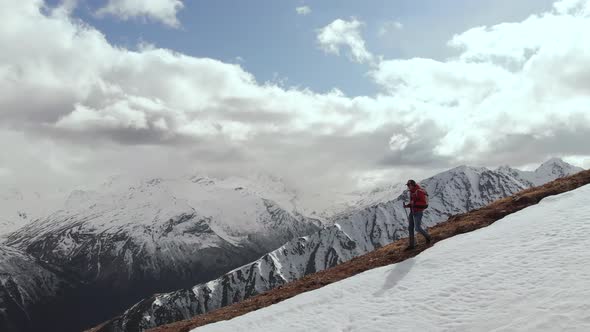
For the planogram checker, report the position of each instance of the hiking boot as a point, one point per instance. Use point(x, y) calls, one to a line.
point(408, 248)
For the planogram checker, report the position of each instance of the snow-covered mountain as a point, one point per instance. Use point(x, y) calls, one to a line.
point(354, 233)
point(551, 169)
point(522, 273)
point(17, 208)
point(26, 286)
point(122, 242)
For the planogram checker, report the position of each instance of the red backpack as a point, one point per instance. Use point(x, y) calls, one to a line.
point(425, 206)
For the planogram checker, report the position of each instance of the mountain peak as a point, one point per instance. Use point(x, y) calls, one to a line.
point(467, 169)
point(558, 167)
point(554, 161)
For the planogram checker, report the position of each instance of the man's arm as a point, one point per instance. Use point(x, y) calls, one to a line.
point(409, 203)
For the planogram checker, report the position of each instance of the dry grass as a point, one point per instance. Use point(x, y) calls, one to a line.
point(392, 253)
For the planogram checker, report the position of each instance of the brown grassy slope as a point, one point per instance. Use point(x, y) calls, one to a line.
point(392, 253)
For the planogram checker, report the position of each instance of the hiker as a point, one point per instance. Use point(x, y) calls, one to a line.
point(418, 203)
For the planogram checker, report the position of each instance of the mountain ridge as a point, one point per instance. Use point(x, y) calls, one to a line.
point(452, 192)
point(390, 254)
point(518, 273)
point(121, 244)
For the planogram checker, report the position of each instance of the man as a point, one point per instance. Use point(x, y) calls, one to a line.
point(417, 205)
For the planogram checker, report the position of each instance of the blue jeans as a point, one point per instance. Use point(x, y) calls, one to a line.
point(415, 220)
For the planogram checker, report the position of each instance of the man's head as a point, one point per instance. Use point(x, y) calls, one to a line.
point(411, 184)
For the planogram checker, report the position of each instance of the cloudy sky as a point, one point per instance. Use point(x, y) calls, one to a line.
point(324, 96)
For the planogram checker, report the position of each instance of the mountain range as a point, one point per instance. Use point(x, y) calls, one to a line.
point(106, 249)
point(512, 269)
point(353, 232)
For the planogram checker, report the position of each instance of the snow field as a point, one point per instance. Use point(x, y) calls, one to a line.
point(528, 272)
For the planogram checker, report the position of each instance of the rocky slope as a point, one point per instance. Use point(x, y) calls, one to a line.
point(354, 233)
point(389, 254)
point(489, 280)
point(28, 287)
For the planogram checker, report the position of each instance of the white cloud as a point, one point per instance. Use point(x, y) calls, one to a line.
point(71, 86)
point(118, 115)
point(303, 10)
point(5, 172)
point(572, 7)
point(581, 161)
point(73, 105)
point(389, 27)
point(515, 90)
point(399, 142)
point(164, 11)
point(341, 33)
